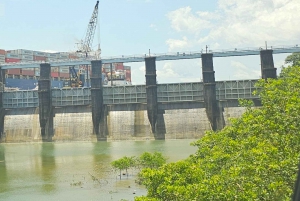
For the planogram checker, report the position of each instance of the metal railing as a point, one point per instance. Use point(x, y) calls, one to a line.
point(175, 92)
point(159, 56)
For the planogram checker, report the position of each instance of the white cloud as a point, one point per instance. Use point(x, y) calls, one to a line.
point(243, 72)
point(253, 22)
point(170, 71)
point(177, 44)
point(167, 71)
point(137, 73)
point(179, 71)
point(183, 19)
point(240, 23)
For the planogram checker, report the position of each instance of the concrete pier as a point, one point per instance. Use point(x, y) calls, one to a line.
point(160, 126)
point(45, 102)
point(268, 69)
point(96, 96)
point(151, 90)
point(104, 132)
point(2, 110)
point(139, 126)
point(213, 110)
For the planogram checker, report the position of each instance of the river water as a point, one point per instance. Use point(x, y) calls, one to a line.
point(76, 170)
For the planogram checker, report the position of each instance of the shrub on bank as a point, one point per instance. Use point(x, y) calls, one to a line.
point(256, 158)
point(145, 160)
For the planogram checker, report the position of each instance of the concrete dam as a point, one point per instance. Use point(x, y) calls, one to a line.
point(22, 125)
point(150, 111)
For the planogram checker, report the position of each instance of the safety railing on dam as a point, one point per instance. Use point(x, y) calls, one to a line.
point(177, 92)
point(159, 57)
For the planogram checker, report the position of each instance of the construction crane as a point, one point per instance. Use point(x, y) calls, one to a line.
point(86, 46)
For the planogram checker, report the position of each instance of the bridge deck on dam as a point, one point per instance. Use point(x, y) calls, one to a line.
point(134, 94)
point(159, 57)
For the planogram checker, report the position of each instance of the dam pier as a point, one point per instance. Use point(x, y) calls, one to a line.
point(150, 111)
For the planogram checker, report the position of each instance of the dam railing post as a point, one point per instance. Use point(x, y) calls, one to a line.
point(268, 69)
point(2, 110)
point(151, 91)
point(96, 95)
point(213, 110)
point(45, 102)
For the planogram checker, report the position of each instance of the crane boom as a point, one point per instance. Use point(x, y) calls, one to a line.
point(86, 46)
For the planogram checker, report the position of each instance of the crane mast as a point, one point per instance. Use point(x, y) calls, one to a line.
point(86, 46)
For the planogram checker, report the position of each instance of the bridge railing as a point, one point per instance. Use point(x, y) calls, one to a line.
point(174, 92)
point(236, 89)
point(159, 56)
point(72, 96)
point(20, 99)
point(178, 92)
point(124, 94)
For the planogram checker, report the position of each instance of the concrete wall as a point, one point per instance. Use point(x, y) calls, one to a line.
point(20, 127)
point(125, 125)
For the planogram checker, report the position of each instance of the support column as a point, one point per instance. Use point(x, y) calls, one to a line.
point(2, 110)
point(213, 111)
point(160, 126)
point(96, 95)
point(45, 102)
point(268, 69)
point(151, 90)
point(103, 125)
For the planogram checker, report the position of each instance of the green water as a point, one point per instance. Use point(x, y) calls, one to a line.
point(77, 170)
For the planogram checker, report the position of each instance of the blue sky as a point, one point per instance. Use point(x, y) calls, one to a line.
point(128, 27)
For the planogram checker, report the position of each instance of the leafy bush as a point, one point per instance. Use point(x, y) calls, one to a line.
point(253, 159)
point(146, 160)
point(123, 163)
point(155, 160)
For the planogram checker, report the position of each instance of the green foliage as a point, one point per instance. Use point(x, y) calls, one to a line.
point(293, 59)
point(155, 160)
point(256, 158)
point(146, 160)
point(123, 163)
point(143, 198)
point(246, 103)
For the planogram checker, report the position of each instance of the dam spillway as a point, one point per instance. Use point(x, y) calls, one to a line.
point(23, 125)
point(149, 112)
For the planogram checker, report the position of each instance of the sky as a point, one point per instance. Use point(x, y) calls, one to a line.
point(129, 27)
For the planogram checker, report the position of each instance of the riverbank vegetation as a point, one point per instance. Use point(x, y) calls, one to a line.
point(255, 158)
point(145, 160)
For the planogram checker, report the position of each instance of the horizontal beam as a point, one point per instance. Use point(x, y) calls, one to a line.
point(159, 57)
point(124, 107)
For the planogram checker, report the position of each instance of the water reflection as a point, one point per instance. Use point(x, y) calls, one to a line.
point(102, 170)
point(3, 172)
point(48, 167)
point(75, 171)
